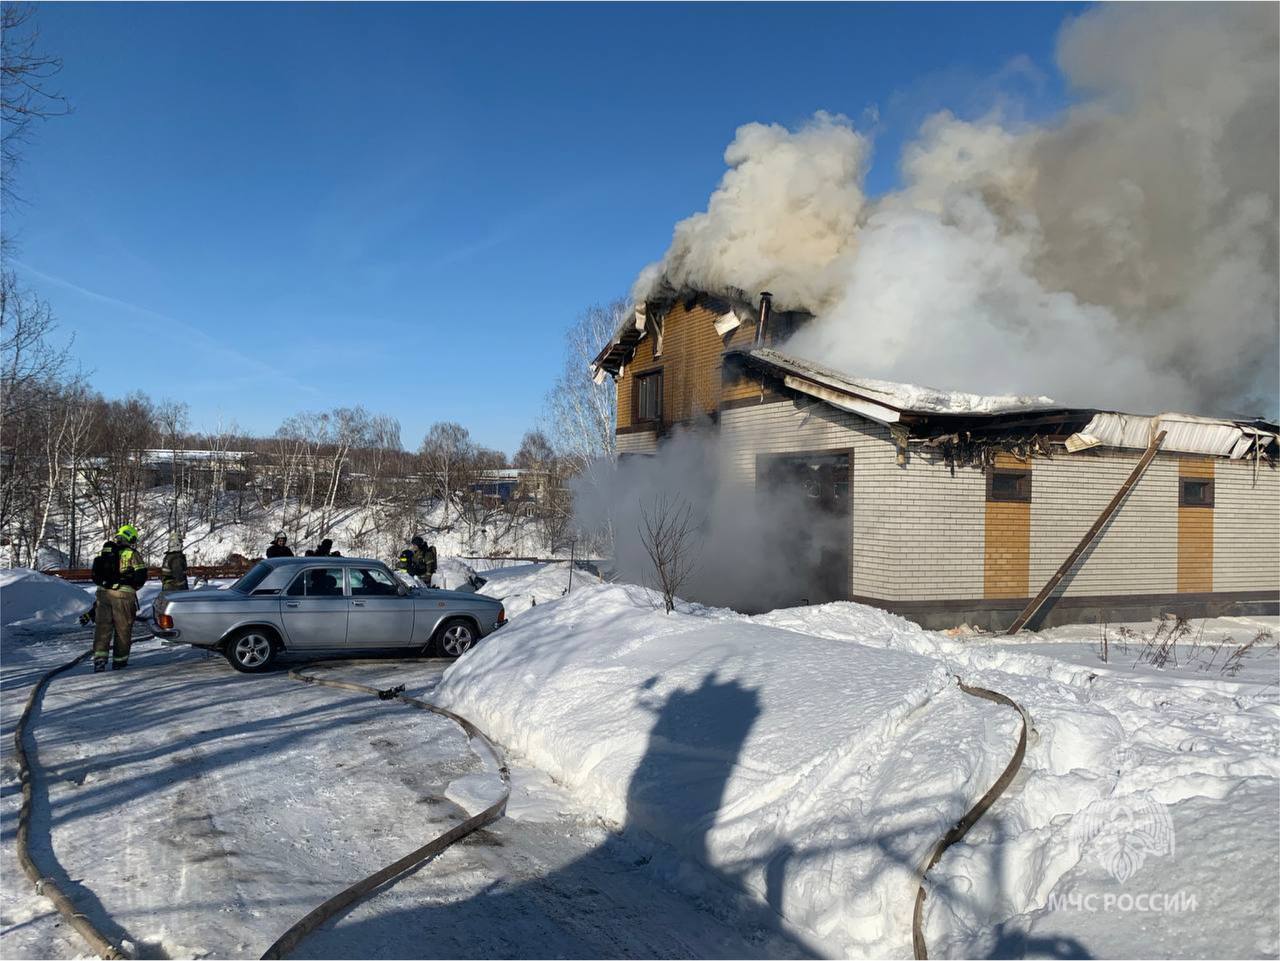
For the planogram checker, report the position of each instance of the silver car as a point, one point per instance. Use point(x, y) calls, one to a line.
point(320, 604)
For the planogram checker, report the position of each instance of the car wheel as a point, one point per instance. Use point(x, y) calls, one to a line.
point(454, 638)
point(251, 650)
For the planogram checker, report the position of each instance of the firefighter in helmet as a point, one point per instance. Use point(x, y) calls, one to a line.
point(119, 571)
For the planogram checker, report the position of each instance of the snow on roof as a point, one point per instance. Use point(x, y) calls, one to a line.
point(886, 402)
point(903, 398)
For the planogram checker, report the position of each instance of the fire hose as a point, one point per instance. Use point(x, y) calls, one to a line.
point(103, 945)
point(344, 899)
point(961, 827)
point(45, 884)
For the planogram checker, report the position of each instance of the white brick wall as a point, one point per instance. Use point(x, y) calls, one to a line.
point(918, 531)
point(1246, 527)
point(1138, 551)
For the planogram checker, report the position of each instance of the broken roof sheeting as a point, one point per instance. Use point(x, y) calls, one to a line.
point(1184, 433)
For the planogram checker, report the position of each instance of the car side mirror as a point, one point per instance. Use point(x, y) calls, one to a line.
point(402, 591)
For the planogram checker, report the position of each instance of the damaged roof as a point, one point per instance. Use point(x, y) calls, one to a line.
point(937, 415)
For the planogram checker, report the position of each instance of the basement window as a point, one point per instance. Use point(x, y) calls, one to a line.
point(1195, 492)
point(648, 393)
point(1008, 484)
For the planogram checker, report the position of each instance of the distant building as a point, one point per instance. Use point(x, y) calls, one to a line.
point(503, 485)
point(955, 508)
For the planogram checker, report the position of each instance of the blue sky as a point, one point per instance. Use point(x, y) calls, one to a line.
point(261, 209)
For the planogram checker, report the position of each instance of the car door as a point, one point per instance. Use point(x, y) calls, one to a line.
point(314, 609)
point(379, 616)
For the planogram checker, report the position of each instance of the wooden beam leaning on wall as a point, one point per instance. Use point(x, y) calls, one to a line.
point(1139, 469)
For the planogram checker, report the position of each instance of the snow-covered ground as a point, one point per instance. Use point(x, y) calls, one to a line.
point(696, 784)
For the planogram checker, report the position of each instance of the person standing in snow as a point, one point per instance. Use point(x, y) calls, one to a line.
point(429, 562)
point(174, 567)
point(280, 546)
point(325, 549)
point(118, 571)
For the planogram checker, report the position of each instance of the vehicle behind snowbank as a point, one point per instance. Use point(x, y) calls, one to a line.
point(324, 604)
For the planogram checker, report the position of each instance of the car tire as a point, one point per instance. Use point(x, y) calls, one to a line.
point(251, 649)
point(454, 638)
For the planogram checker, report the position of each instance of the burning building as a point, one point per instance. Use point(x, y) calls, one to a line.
point(949, 507)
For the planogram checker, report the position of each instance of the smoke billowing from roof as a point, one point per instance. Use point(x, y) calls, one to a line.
point(1123, 255)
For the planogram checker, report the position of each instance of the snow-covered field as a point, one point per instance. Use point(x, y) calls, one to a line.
point(696, 784)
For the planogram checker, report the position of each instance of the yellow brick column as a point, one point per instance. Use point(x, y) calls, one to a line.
point(1195, 532)
point(1006, 565)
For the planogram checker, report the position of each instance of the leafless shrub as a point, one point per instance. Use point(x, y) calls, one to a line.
point(668, 531)
point(1162, 647)
point(1231, 667)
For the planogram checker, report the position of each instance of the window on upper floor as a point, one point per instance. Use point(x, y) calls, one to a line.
point(648, 394)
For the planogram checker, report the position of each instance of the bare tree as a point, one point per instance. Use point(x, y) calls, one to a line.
point(27, 356)
point(668, 531)
point(25, 95)
point(582, 409)
point(448, 456)
point(172, 421)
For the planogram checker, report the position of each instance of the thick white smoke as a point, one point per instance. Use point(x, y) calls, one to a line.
point(1123, 255)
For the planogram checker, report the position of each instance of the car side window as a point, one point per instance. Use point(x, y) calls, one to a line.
point(371, 582)
point(317, 582)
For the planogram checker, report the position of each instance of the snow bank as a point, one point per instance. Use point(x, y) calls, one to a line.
point(813, 757)
point(811, 772)
point(29, 599)
point(522, 586)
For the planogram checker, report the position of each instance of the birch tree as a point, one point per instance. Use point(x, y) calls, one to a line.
point(582, 410)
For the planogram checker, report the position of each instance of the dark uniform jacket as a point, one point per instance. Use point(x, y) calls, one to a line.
point(173, 569)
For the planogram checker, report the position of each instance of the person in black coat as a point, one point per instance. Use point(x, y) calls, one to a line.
point(325, 549)
point(280, 546)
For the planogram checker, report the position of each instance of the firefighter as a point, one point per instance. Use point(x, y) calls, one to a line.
point(280, 546)
point(428, 560)
point(412, 559)
point(118, 571)
point(174, 567)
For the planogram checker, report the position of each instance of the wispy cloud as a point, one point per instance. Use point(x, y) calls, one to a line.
point(195, 337)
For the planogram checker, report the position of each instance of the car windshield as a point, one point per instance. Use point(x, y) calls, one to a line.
point(253, 578)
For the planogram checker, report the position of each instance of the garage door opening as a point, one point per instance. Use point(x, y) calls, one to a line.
point(806, 498)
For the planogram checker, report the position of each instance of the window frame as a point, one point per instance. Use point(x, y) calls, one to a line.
point(366, 574)
point(1021, 496)
point(302, 574)
point(1184, 501)
point(655, 373)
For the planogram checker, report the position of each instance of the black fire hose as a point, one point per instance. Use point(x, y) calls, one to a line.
point(962, 826)
point(344, 899)
point(45, 885)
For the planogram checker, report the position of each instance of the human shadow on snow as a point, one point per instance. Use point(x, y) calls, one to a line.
point(693, 748)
